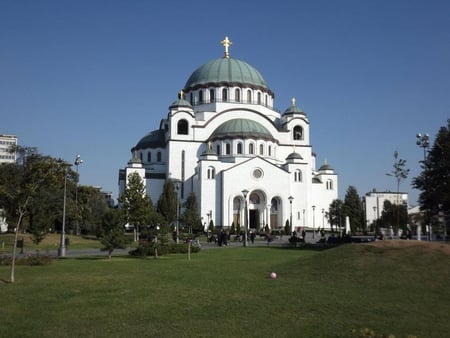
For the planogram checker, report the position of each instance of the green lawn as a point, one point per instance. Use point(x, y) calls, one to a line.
point(226, 292)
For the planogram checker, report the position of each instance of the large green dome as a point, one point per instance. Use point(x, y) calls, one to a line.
point(241, 128)
point(226, 72)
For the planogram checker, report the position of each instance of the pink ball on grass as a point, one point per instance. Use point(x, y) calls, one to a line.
point(273, 275)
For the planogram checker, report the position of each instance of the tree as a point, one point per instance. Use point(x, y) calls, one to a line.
point(287, 227)
point(190, 216)
point(91, 210)
point(400, 173)
point(335, 213)
point(353, 208)
point(21, 182)
point(136, 204)
point(168, 201)
point(113, 236)
point(434, 180)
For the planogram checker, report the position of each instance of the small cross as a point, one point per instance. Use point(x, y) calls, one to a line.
point(226, 43)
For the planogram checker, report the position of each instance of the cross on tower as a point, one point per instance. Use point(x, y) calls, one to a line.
point(226, 43)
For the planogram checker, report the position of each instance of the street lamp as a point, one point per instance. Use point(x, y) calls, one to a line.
point(304, 220)
point(177, 187)
point(423, 141)
point(77, 162)
point(290, 198)
point(323, 219)
point(245, 193)
point(62, 245)
point(314, 220)
point(374, 216)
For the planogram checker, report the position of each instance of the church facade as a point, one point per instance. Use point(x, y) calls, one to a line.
point(223, 140)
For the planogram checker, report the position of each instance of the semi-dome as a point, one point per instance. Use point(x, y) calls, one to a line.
point(154, 139)
point(227, 72)
point(241, 128)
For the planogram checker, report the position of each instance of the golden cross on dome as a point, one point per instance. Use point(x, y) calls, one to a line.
point(226, 43)
point(293, 102)
point(181, 95)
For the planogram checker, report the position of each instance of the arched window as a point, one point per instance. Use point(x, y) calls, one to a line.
point(212, 96)
point(158, 156)
point(218, 149)
point(249, 96)
point(182, 128)
point(227, 149)
point(211, 173)
point(259, 98)
point(140, 156)
point(261, 149)
point(298, 133)
point(274, 205)
point(254, 198)
point(269, 151)
point(237, 95)
point(224, 95)
point(200, 96)
point(149, 157)
point(298, 175)
point(265, 100)
point(329, 185)
point(239, 148)
point(251, 148)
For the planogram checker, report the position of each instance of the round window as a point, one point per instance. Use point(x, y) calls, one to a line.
point(257, 173)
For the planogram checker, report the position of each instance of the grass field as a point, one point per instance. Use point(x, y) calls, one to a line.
point(397, 287)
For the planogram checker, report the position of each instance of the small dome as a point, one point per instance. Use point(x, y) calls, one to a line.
point(226, 72)
point(294, 156)
point(154, 139)
point(325, 166)
point(134, 160)
point(293, 109)
point(241, 128)
point(180, 103)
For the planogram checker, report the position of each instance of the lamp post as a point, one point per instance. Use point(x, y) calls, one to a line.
point(77, 162)
point(290, 198)
point(374, 217)
point(177, 230)
point(314, 220)
point(245, 193)
point(62, 245)
point(423, 141)
point(323, 218)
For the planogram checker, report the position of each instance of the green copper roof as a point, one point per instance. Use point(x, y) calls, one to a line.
point(241, 128)
point(226, 72)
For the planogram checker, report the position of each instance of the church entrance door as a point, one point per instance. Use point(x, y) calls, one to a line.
point(253, 222)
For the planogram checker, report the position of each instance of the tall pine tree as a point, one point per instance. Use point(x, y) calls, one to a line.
point(434, 180)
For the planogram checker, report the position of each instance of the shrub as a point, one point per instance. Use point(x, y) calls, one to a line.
point(148, 249)
point(31, 260)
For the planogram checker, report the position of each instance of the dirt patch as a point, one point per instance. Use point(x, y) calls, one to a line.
point(443, 247)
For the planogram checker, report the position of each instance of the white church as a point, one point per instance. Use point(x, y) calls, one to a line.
point(223, 140)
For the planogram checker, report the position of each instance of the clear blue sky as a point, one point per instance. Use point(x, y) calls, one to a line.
point(92, 77)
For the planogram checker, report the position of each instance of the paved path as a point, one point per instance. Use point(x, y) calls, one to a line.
point(259, 241)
